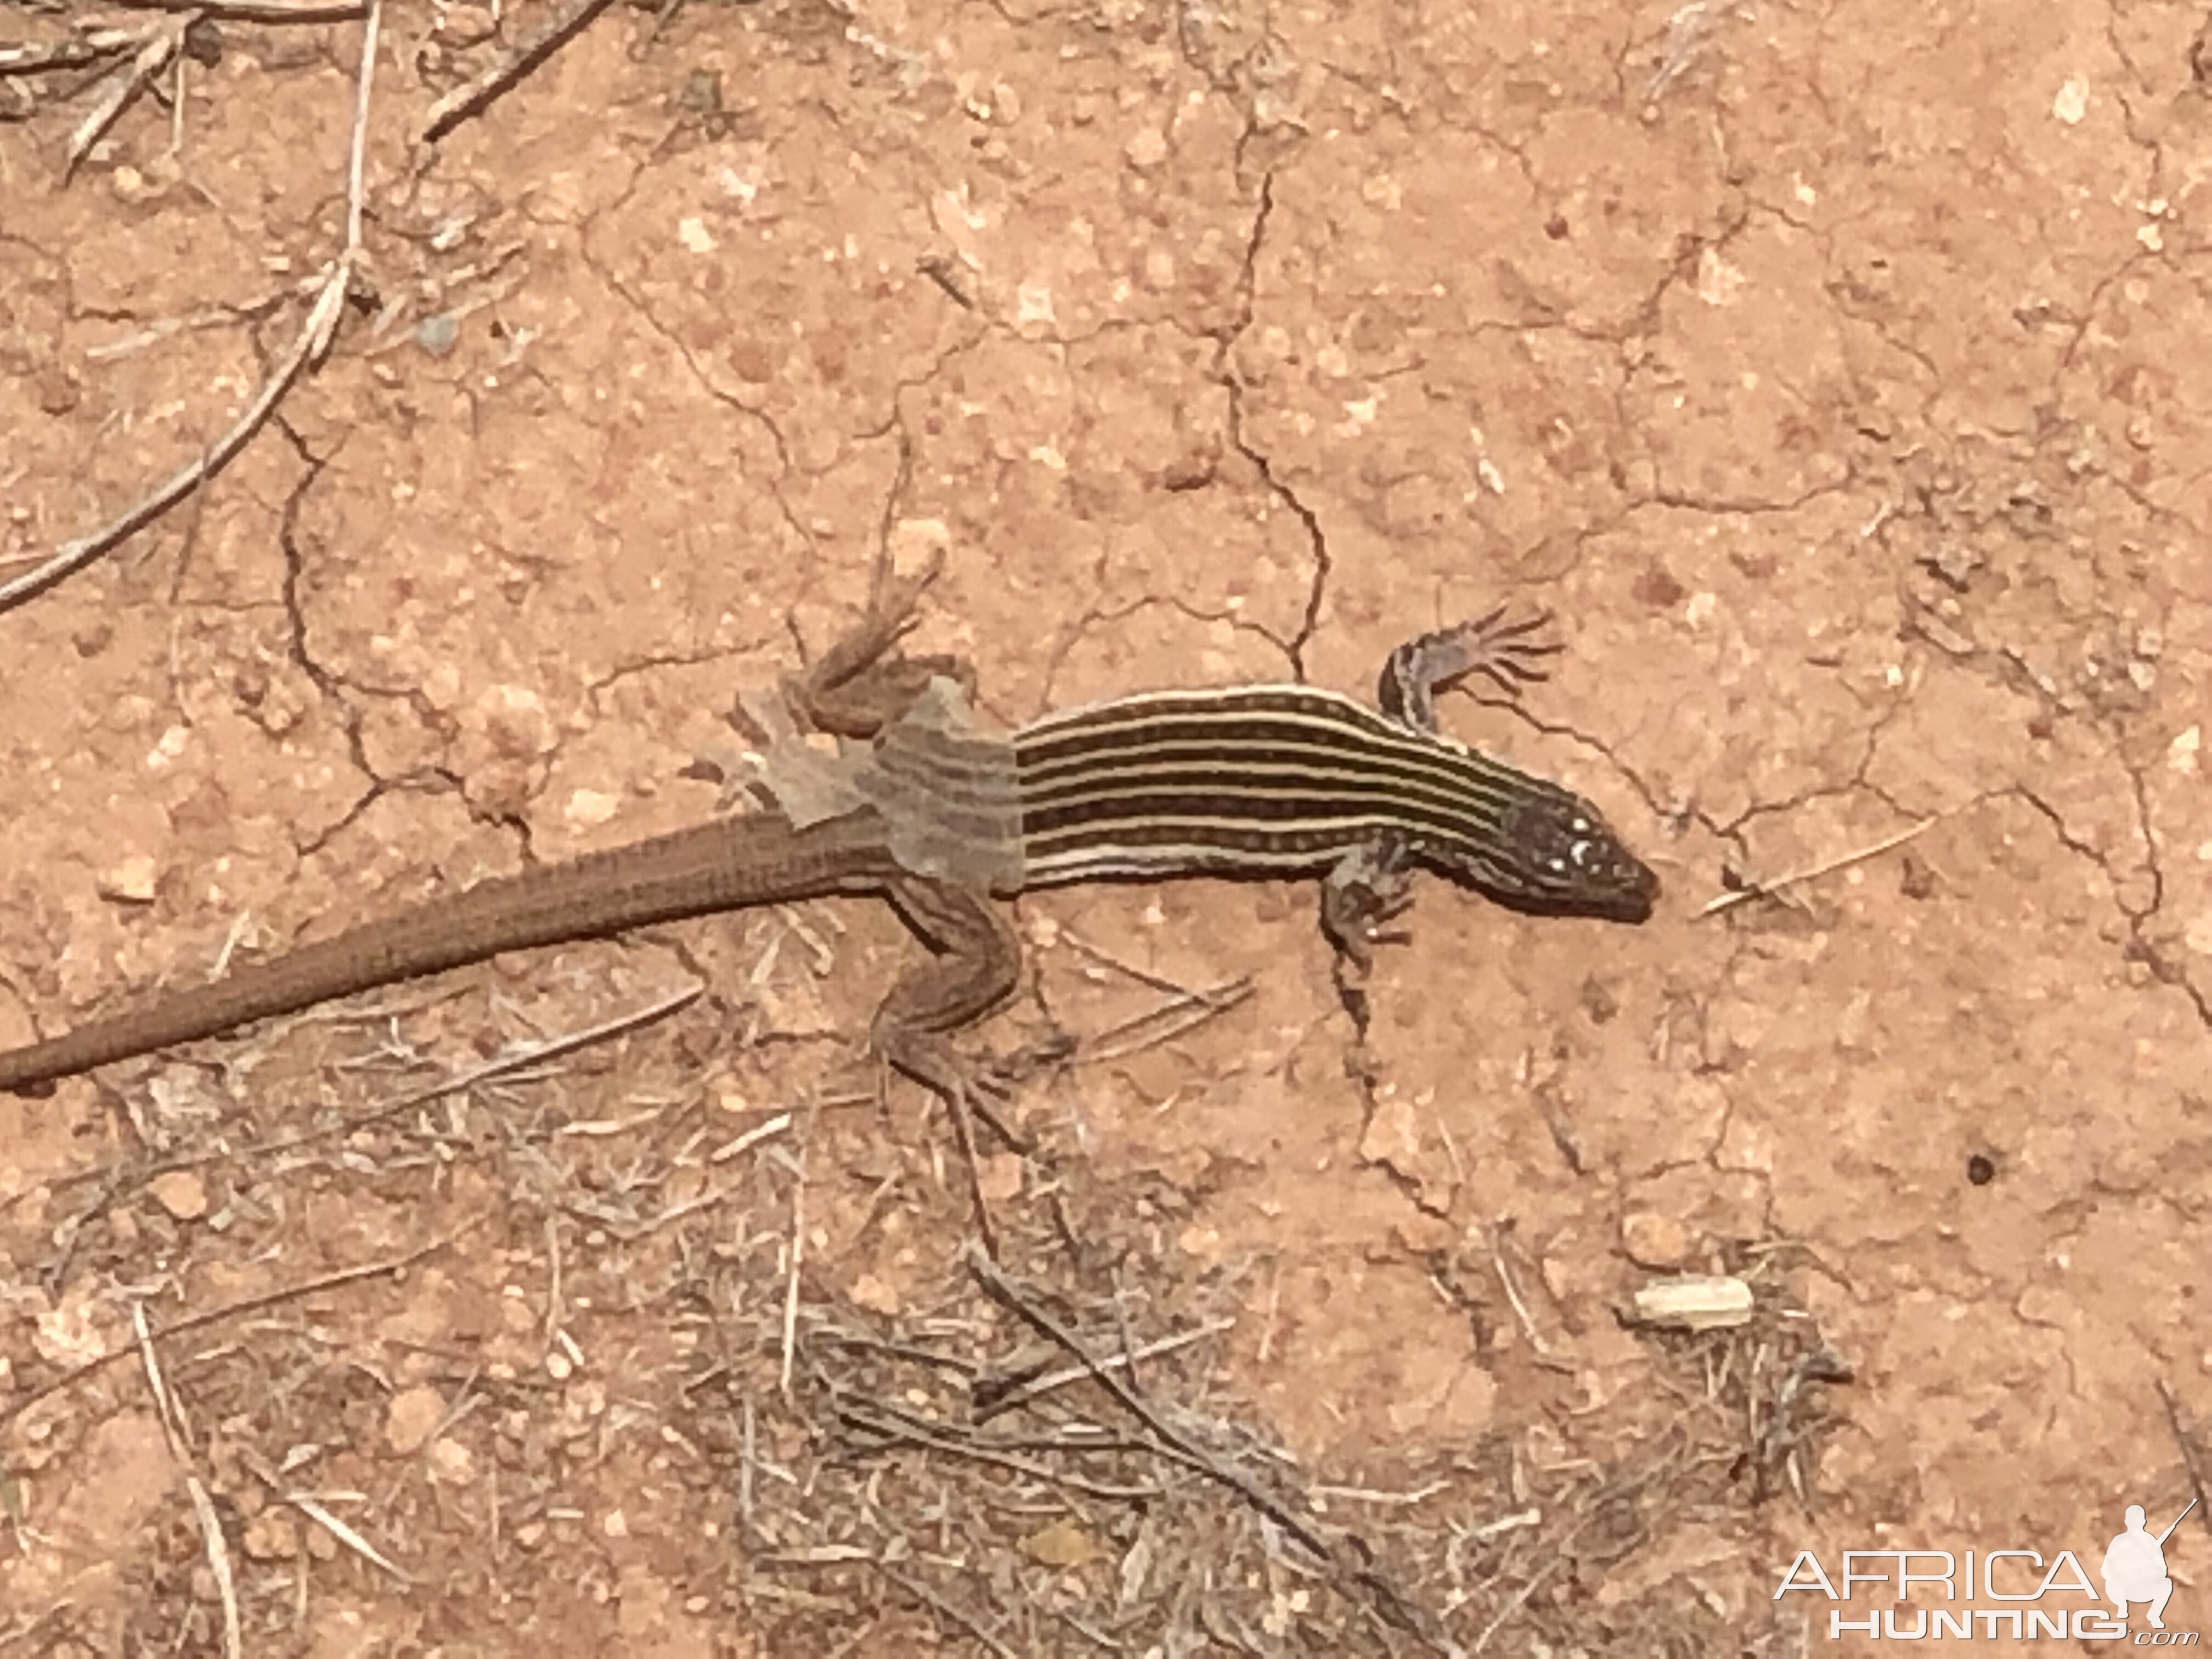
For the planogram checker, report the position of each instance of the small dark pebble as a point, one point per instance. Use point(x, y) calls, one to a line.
point(1599, 1002)
point(1915, 879)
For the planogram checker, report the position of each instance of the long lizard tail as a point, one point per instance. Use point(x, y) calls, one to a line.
point(725, 864)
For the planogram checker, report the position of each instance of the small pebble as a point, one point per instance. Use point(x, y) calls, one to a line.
point(181, 1193)
point(1653, 1240)
point(131, 879)
point(436, 335)
point(412, 1418)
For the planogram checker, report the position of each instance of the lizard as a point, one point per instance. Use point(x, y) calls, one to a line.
point(925, 808)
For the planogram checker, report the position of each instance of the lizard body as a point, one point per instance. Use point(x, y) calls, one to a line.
point(939, 817)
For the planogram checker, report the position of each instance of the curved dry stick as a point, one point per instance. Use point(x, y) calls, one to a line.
point(73, 556)
point(315, 340)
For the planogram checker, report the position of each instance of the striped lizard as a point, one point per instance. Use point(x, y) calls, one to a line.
point(924, 807)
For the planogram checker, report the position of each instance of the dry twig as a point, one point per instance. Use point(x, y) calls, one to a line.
point(2187, 1443)
point(1003, 1289)
point(312, 343)
point(473, 98)
point(260, 11)
point(75, 1374)
point(161, 42)
point(218, 1560)
point(1773, 889)
point(508, 1063)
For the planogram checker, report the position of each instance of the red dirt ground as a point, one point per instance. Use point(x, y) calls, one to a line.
point(1837, 374)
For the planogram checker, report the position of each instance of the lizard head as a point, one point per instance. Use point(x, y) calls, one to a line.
point(1556, 855)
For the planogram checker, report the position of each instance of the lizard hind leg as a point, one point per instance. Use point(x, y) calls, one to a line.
point(976, 964)
point(863, 682)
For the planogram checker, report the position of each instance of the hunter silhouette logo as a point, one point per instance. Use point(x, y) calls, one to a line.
point(2135, 1566)
point(2000, 1595)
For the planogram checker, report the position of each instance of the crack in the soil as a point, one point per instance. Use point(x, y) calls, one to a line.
point(2141, 946)
point(337, 691)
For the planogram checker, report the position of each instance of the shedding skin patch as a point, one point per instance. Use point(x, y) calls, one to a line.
point(945, 788)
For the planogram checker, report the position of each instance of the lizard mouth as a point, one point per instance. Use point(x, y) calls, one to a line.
point(1636, 901)
point(1625, 891)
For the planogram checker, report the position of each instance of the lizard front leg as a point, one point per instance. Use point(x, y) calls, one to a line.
point(1367, 887)
point(1507, 650)
point(1373, 885)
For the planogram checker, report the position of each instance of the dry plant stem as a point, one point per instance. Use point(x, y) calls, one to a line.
point(894, 1427)
point(1513, 1294)
point(1518, 1599)
point(357, 152)
point(790, 1282)
point(500, 1066)
point(178, 100)
point(2187, 1443)
point(165, 1405)
point(964, 1133)
point(459, 105)
point(218, 1560)
point(345, 1535)
point(1188, 1007)
point(252, 11)
point(929, 1598)
point(1038, 1387)
point(35, 57)
point(76, 1374)
point(1770, 889)
point(1003, 1289)
point(313, 342)
point(553, 1309)
point(161, 42)
point(15, 1638)
point(1157, 1026)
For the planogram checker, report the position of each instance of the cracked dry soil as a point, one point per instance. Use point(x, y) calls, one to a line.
point(1837, 373)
